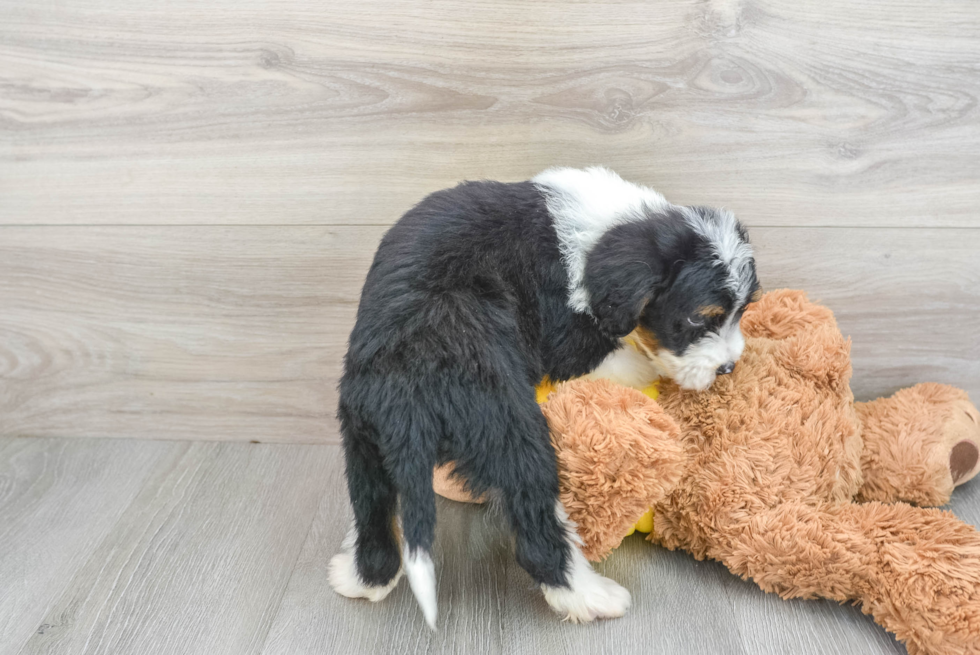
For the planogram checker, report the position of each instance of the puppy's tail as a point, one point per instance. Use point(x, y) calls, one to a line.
point(418, 514)
point(422, 577)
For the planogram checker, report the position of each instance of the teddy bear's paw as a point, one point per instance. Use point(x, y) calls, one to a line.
point(588, 596)
point(343, 577)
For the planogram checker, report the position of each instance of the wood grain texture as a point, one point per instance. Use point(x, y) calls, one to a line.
point(199, 561)
point(278, 111)
point(58, 501)
point(238, 333)
point(908, 299)
point(208, 333)
point(173, 549)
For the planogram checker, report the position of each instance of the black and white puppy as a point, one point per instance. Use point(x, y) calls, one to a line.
point(476, 294)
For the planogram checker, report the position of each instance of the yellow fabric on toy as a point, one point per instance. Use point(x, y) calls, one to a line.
point(653, 391)
point(544, 389)
point(644, 525)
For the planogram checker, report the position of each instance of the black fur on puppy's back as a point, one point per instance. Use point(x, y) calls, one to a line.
point(464, 309)
point(457, 267)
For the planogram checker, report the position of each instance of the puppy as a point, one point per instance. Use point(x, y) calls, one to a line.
point(476, 294)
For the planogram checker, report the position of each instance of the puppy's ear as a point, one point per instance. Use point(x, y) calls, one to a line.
point(617, 318)
point(621, 278)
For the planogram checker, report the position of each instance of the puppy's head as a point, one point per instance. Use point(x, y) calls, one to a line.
point(675, 285)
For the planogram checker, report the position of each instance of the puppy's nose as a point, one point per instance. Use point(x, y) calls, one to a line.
point(725, 369)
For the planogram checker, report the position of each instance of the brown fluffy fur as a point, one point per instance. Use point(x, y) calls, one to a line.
point(763, 472)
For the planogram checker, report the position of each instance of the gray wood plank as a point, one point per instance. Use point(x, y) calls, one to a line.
point(159, 548)
point(965, 502)
point(678, 607)
point(289, 112)
point(58, 500)
point(199, 562)
point(225, 333)
point(907, 299)
point(772, 626)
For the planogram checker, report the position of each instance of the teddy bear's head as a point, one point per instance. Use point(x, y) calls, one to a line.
point(788, 402)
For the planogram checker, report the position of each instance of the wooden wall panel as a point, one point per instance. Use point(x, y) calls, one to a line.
point(281, 112)
point(196, 332)
point(229, 333)
point(190, 194)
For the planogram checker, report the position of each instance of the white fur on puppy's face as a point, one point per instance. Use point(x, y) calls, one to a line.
point(696, 368)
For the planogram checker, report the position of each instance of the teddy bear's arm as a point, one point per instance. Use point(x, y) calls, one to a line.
point(918, 444)
point(618, 453)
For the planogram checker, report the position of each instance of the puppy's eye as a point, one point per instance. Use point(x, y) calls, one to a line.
point(695, 323)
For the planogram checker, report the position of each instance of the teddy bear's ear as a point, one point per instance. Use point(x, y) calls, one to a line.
point(783, 313)
point(618, 455)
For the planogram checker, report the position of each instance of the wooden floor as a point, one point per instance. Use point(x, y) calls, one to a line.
point(121, 547)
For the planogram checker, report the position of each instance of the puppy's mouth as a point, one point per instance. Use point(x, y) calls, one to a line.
point(700, 364)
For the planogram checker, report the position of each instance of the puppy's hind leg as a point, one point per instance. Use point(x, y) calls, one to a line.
point(526, 472)
point(586, 594)
point(347, 581)
point(369, 564)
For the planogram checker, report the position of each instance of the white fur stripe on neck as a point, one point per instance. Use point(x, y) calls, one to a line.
point(584, 205)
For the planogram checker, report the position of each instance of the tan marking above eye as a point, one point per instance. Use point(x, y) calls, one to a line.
point(756, 295)
point(646, 339)
point(711, 310)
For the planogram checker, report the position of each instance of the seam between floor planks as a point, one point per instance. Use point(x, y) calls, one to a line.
point(285, 588)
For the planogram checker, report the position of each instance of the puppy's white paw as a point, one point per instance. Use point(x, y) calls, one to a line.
point(343, 578)
point(590, 597)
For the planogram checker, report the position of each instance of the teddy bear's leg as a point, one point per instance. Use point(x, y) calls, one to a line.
point(915, 570)
point(918, 444)
point(450, 486)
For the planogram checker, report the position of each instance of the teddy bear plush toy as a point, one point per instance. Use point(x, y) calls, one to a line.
point(776, 472)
